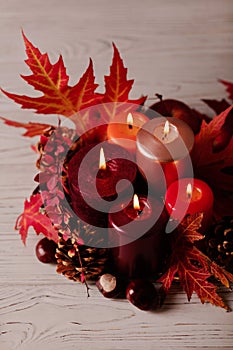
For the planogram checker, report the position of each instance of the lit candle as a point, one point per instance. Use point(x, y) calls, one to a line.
point(102, 161)
point(166, 132)
point(163, 147)
point(124, 127)
point(94, 180)
point(137, 232)
point(190, 196)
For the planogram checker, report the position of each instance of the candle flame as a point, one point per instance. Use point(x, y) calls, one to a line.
point(189, 190)
point(129, 120)
point(166, 128)
point(102, 162)
point(136, 204)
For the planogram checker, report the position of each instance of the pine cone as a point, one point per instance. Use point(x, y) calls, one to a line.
point(76, 261)
point(219, 243)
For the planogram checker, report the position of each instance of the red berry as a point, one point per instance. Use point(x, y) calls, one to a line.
point(45, 250)
point(142, 294)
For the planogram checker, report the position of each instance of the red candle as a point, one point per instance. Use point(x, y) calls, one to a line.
point(124, 127)
point(190, 196)
point(163, 147)
point(137, 232)
point(93, 183)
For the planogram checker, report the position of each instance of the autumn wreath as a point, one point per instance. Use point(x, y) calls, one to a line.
point(199, 261)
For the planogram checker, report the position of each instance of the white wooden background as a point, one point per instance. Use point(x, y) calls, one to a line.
point(176, 47)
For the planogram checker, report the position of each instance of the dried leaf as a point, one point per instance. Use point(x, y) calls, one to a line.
point(190, 226)
point(218, 272)
point(32, 216)
point(195, 279)
point(192, 266)
point(167, 278)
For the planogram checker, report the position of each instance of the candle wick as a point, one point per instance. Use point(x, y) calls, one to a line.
point(130, 126)
point(189, 195)
point(139, 212)
point(164, 136)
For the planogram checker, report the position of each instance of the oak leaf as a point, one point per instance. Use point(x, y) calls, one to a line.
point(192, 266)
point(33, 216)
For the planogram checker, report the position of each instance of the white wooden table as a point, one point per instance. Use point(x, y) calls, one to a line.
point(177, 48)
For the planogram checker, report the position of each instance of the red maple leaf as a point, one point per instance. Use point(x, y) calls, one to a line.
point(213, 152)
point(229, 88)
point(117, 89)
point(33, 216)
point(58, 97)
point(33, 129)
point(217, 106)
point(52, 80)
point(192, 266)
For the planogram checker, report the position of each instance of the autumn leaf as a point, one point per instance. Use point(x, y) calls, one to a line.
point(195, 279)
point(217, 106)
point(51, 79)
point(33, 216)
point(220, 274)
point(190, 227)
point(229, 88)
point(117, 89)
point(192, 266)
point(167, 278)
point(212, 155)
point(33, 129)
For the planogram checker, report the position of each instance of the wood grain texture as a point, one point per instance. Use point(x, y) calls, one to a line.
point(177, 48)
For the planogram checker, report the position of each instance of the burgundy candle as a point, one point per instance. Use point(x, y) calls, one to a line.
point(137, 232)
point(93, 185)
